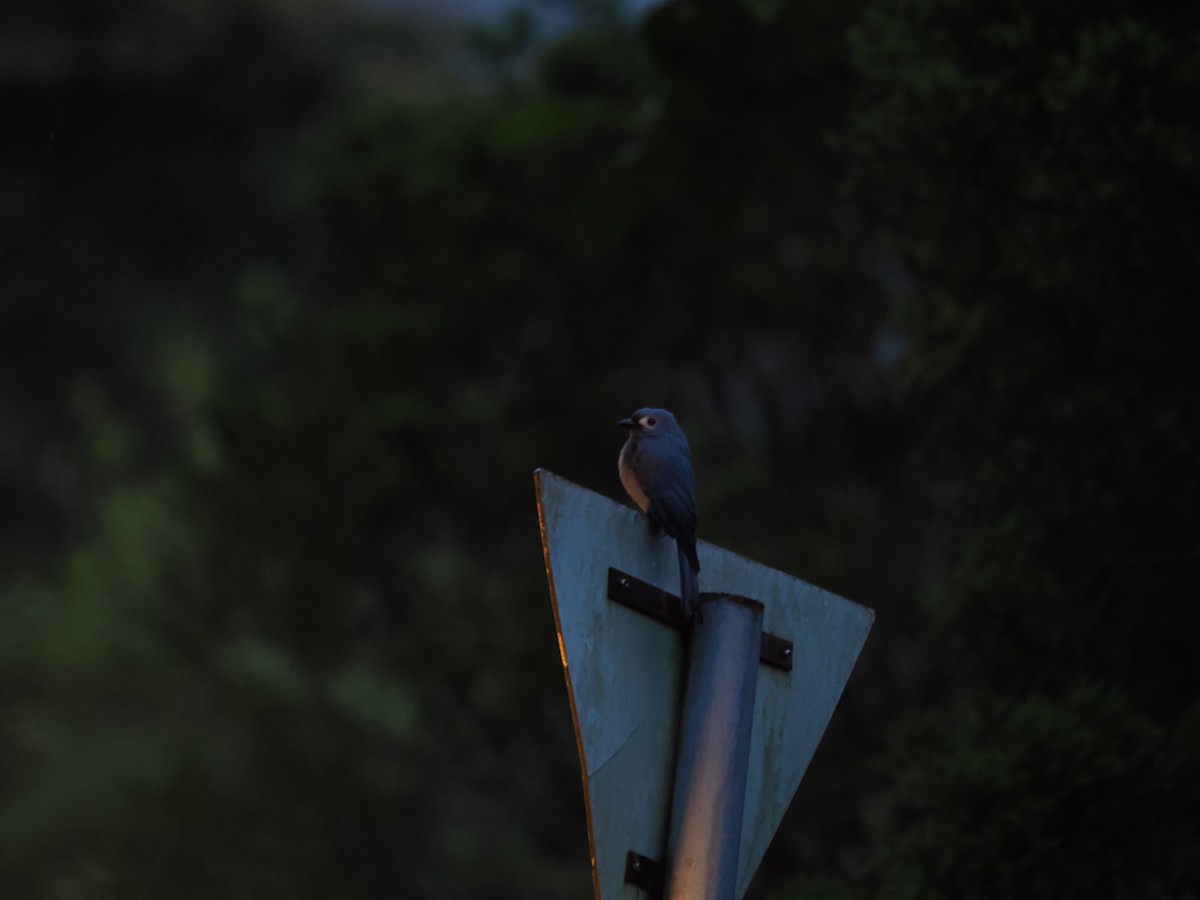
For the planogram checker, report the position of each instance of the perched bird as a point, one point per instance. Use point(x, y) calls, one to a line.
point(656, 469)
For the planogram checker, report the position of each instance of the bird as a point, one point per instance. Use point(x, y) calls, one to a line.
point(655, 466)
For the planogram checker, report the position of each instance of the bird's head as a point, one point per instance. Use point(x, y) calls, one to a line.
point(648, 421)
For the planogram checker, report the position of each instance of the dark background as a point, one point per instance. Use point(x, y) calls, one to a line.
point(295, 296)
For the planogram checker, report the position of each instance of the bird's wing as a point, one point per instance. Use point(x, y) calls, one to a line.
point(675, 511)
point(670, 486)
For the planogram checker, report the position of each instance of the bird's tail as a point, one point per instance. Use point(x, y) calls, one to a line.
point(689, 590)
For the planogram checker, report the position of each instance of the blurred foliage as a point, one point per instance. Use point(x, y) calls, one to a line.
point(1038, 170)
point(296, 296)
point(1039, 796)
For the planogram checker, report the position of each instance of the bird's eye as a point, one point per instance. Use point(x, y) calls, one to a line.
point(651, 421)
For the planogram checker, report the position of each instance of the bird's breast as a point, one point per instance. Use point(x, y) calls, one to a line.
point(626, 464)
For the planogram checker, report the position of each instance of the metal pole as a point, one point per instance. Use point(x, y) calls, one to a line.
point(714, 747)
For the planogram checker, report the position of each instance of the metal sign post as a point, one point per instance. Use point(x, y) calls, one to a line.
point(713, 750)
point(685, 780)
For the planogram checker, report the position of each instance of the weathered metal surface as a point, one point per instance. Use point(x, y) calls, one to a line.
point(624, 676)
point(668, 609)
point(645, 598)
point(776, 651)
point(623, 673)
point(645, 873)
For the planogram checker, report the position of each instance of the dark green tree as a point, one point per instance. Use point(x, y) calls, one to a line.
point(272, 617)
point(1038, 168)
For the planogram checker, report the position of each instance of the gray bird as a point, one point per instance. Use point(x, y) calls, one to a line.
point(656, 469)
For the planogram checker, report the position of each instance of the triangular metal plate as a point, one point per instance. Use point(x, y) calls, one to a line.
point(624, 677)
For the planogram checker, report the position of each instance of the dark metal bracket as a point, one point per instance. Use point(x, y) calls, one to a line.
point(668, 609)
point(645, 873)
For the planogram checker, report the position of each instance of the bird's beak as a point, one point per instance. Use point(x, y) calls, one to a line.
point(627, 423)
